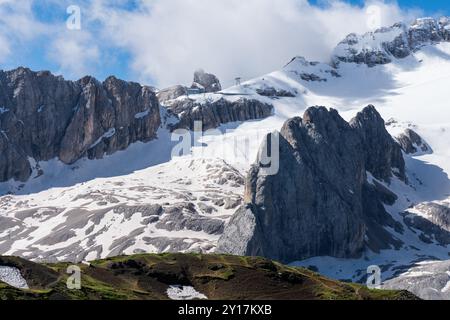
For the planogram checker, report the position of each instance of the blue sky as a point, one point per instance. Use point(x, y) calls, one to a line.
point(161, 42)
point(430, 7)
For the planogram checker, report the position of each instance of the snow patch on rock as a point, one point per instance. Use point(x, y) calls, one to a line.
point(184, 293)
point(13, 277)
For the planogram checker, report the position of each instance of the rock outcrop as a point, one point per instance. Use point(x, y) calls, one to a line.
point(432, 224)
point(429, 281)
point(398, 41)
point(212, 108)
point(439, 214)
point(271, 92)
point(206, 82)
point(383, 155)
point(412, 143)
point(320, 202)
point(44, 117)
point(214, 113)
point(171, 93)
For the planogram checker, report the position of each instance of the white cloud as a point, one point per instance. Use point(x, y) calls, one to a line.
point(76, 53)
point(5, 49)
point(17, 25)
point(168, 39)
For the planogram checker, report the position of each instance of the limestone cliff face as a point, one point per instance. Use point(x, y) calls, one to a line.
point(213, 114)
point(383, 155)
point(319, 202)
point(109, 117)
point(43, 117)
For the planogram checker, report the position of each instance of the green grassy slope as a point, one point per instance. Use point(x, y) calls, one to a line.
point(148, 276)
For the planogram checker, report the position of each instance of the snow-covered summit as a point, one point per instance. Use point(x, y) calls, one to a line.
point(385, 44)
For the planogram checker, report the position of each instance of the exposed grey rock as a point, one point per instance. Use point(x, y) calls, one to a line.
point(109, 117)
point(45, 117)
point(319, 203)
point(213, 114)
point(121, 244)
point(371, 57)
point(150, 220)
point(272, 92)
point(171, 93)
point(376, 219)
point(145, 211)
point(206, 209)
point(444, 26)
point(333, 73)
point(165, 244)
point(206, 82)
point(439, 214)
point(240, 232)
point(232, 203)
point(428, 281)
point(412, 143)
point(43, 214)
point(13, 162)
point(302, 69)
point(423, 31)
point(382, 154)
point(311, 77)
point(430, 232)
point(385, 195)
point(185, 216)
point(399, 47)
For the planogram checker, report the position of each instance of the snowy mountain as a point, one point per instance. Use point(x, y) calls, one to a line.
point(398, 41)
point(133, 196)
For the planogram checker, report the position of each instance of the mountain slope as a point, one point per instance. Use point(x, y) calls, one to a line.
point(143, 277)
point(181, 206)
point(410, 92)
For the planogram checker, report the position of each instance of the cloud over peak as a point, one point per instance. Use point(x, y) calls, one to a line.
point(166, 40)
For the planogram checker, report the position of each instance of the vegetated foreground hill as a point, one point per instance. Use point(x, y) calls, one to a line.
point(149, 276)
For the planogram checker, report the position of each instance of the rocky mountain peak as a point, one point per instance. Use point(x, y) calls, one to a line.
point(88, 80)
point(203, 82)
point(385, 44)
point(426, 23)
point(322, 117)
point(412, 143)
point(320, 202)
point(22, 71)
point(300, 61)
point(206, 81)
point(383, 154)
point(111, 80)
